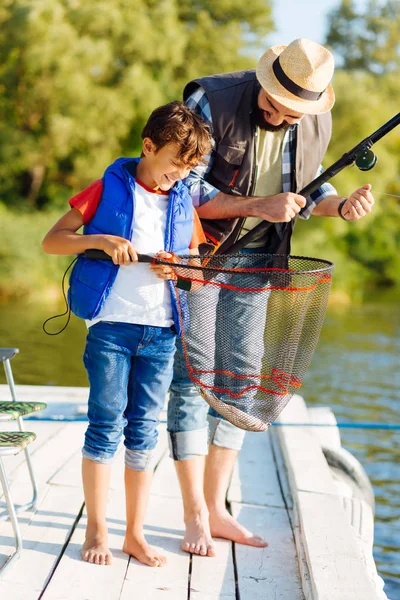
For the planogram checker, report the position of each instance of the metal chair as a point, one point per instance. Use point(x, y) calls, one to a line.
point(14, 410)
point(12, 443)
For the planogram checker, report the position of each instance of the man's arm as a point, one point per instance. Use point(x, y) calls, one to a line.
point(357, 205)
point(213, 204)
point(275, 209)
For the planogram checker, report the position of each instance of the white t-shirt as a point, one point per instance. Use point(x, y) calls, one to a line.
point(138, 296)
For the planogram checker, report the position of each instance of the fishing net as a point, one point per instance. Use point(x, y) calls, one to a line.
point(253, 323)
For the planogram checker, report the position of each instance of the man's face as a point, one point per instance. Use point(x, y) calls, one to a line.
point(272, 116)
point(163, 166)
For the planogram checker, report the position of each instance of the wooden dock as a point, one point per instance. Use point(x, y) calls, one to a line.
point(282, 488)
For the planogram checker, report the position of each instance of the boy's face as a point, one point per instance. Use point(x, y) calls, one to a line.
point(163, 167)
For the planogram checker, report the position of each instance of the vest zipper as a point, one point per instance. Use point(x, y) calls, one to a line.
point(255, 165)
point(113, 277)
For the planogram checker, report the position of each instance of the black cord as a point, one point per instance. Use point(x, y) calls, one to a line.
point(68, 308)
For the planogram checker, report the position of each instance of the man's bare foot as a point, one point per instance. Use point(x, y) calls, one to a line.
point(198, 538)
point(143, 552)
point(223, 525)
point(95, 550)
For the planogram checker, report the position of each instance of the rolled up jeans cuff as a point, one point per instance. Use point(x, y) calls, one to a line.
point(140, 460)
point(98, 458)
point(184, 445)
point(224, 434)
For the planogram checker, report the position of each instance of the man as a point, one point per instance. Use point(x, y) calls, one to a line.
point(271, 128)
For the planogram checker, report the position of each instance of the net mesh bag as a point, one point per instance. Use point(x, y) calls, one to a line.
point(250, 325)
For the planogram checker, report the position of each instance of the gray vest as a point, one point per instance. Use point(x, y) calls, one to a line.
point(232, 97)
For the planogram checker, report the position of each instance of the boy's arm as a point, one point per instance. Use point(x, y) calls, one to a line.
point(64, 239)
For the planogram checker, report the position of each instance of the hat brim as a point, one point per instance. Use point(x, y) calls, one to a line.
point(271, 85)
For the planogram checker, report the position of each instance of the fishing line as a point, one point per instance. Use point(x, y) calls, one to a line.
point(376, 426)
point(67, 309)
point(385, 194)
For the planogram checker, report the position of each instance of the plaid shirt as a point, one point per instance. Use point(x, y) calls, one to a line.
point(202, 191)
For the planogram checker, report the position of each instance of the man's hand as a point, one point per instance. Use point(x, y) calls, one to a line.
point(358, 204)
point(121, 250)
point(280, 208)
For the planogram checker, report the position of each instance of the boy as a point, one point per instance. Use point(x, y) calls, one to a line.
point(140, 205)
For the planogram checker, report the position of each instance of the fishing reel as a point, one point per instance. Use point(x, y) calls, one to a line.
point(366, 159)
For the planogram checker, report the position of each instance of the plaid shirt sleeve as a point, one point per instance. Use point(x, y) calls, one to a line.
point(288, 157)
point(325, 190)
point(200, 190)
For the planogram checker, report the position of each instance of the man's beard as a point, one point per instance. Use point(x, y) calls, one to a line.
point(259, 121)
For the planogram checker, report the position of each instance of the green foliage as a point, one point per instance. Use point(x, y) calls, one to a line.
point(24, 268)
point(366, 39)
point(79, 79)
point(365, 253)
point(367, 89)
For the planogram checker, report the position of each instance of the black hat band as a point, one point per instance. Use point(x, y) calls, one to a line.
point(291, 86)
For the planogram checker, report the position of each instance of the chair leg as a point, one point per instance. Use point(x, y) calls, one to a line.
point(11, 384)
point(13, 518)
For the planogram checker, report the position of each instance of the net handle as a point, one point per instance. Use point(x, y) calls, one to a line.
point(95, 254)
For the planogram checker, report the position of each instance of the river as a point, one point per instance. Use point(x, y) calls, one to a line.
point(355, 371)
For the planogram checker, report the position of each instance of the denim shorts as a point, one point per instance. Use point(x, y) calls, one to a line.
point(130, 369)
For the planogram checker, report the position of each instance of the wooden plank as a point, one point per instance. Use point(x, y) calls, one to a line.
point(44, 431)
point(281, 469)
point(70, 472)
point(46, 393)
point(51, 454)
point(254, 479)
point(267, 573)
point(165, 483)
point(54, 452)
point(43, 540)
point(307, 467)
point(76, 579)
point(327, 436)
point(214, 578)
point(163, 529)
point(336, 562)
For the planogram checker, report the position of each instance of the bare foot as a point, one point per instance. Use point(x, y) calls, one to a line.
point(223, 525)
point(198, 538)
point(143, 552)
point(95, 550)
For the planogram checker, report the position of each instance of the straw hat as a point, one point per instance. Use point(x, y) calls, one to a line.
point(298, 76)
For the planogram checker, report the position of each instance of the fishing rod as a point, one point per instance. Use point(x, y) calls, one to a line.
point(361, 155)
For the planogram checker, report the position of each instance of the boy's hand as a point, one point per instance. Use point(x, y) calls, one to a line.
point(163, 271)
point(121, 250)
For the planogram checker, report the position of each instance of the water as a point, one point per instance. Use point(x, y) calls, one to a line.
point(355, 371)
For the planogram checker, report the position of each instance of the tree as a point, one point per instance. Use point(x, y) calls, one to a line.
point(368, 39)
point(80, 77)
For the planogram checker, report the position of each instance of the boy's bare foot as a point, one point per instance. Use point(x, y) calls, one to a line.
point(143, 552)
point(198, 538)
point(95, 550)
point(223, 525)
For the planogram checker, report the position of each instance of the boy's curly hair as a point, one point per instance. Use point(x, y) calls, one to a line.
point(175, 123)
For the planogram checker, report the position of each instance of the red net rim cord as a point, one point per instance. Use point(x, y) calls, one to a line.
point(261, 388)
point(280, 378)
point(268, 288)
point(178, 261)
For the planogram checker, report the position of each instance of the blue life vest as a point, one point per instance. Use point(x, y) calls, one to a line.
point(91, 280)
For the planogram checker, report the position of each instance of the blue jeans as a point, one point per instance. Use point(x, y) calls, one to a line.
point(192, 424)
point(130, 370)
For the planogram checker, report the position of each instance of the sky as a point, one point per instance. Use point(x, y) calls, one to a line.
point(301, 18)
